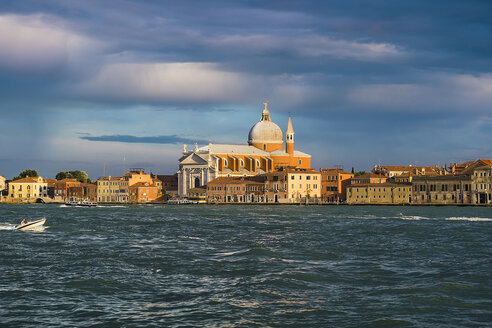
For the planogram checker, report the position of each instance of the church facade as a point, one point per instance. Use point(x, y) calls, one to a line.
point(267, 150)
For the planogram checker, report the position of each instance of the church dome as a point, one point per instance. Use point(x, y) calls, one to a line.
point(265, 131)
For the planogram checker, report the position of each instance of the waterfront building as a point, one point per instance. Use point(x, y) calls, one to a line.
point(368, 178)
point(28, 189)
point(334, 184)
point(303, 185)
point(112, 190)
point(391, 171)
point(169, 184)
point(472, 185)
point(198, 195)
point(143, 192)
point(51, 187)
point(236, 190)
point(62, 186)
point(286, 185)
point(264, 153)
point(379, 193)
point(3, 183)
point(84, 192)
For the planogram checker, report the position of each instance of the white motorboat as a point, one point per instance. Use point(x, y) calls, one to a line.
point(31, 225)
point(81, 204)
point(184, 201)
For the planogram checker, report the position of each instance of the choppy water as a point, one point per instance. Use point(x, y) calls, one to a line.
point(246, 266)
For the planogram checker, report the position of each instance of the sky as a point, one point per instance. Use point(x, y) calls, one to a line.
point(103, 86)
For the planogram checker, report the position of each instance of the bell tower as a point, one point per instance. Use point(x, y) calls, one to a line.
point(289, 138)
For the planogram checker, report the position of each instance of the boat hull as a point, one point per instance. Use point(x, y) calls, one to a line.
point(31, 225)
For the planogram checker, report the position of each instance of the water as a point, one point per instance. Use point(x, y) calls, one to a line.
point(246, 266)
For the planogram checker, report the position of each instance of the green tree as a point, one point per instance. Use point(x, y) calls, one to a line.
point(77, 175)
point(359, 173)
point(27, 173)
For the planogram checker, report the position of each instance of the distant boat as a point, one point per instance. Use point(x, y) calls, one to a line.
point(31, 225)
point(176, 201)
point(81, 204)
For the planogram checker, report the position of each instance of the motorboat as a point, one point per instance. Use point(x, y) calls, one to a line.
point(88, 204)
point(31, 225)
point(81, 204)
point(177, 201)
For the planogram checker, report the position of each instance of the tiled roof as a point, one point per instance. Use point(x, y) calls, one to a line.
point(142, 184)
point(27, 180)
point(329, 170)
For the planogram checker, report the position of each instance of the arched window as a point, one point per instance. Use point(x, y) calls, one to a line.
point(241, 162)
point(225, 162)
point(257, 163)
point(264, 146)
point(197, 182)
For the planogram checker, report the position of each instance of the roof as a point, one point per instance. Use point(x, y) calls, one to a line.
point(110, 178)
point(386, 184)
point(329, 170)
point(67, 180)
point(142, 184)
point(369, 176)
point(27, 180)
point(247, 180)
point(236, 149)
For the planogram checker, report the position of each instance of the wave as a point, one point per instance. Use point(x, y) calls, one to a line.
point(7, 226)
point(464, 218)
point(414, 217)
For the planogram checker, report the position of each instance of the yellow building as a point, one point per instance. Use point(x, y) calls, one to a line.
point(112, 190)
point(379, 193)
point(267, 151)
point(27, 189)
point(290, 185)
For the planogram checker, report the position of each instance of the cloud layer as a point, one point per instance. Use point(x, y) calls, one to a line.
point(363, 80)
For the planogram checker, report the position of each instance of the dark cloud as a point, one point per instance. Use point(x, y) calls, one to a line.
point(400, 78)
point(171, 139)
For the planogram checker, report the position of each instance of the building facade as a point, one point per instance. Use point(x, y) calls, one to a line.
point(380, 193)
point(62, 186)
point(143, 192)
point(27, 189)
point(471, 186)
point(84, 192)
point(112, 190)
point(334, 184)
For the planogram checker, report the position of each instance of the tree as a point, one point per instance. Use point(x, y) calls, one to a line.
point(359, 173)
point(77, 175)
point(27, 173)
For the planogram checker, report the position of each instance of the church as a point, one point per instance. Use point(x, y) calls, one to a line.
point(266, 151)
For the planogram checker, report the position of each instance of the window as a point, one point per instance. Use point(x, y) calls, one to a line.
point(300, 161)
point(308, 177)
point(264, 147)
point(241, 162)
point(225, 162)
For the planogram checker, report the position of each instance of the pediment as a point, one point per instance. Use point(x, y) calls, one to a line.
point(193, 159)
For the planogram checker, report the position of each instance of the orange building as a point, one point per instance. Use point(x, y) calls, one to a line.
point(62, 186)
point(142, 192)
point(266, 151)
point(334, 184)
